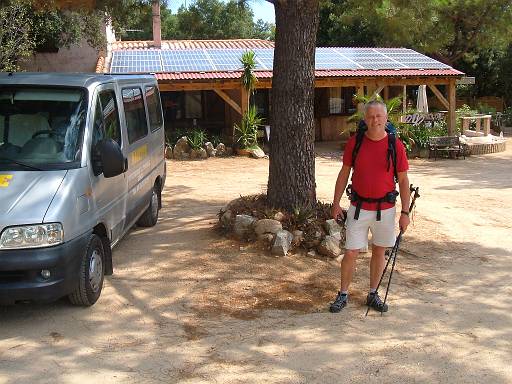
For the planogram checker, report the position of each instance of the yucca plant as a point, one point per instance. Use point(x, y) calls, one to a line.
point(247, 132)
point(196, 138)
point(249, 79)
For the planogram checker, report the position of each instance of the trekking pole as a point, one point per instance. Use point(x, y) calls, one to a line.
point(416, 193)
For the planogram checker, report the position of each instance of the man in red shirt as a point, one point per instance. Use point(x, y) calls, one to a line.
point(372, 179)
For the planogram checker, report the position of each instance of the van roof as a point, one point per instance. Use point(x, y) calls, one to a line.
point(65, 79)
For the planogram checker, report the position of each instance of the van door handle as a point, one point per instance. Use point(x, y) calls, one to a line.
point(125, 164)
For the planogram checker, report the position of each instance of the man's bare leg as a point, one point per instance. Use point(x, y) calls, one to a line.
point(348, 265)
point(377, 264)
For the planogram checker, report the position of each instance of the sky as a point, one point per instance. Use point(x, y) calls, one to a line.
point(262, 9)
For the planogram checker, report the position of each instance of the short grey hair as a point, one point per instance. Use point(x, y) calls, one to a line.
point(374, 103)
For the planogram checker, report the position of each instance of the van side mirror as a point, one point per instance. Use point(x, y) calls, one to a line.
point(112, 160)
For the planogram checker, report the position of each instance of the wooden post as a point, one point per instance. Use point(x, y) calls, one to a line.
point(404, 99)
point(386, 93)
point(452, 118)
point(360, 92)
point(244, 102)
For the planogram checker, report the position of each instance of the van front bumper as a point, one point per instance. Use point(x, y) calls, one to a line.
point(20, 271)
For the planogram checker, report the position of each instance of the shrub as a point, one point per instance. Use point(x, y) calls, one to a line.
point(196, 138)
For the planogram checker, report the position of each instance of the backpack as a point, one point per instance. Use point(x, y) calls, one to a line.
point(391, 156)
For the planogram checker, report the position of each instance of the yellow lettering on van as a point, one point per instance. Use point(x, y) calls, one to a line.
point(4, 180)
point(139, 154)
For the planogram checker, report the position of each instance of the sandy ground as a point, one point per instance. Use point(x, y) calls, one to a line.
point(187, 306)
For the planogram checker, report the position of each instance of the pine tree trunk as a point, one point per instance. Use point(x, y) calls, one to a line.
point(291, 180)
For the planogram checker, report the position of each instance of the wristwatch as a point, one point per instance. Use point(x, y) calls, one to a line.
point(405, 213)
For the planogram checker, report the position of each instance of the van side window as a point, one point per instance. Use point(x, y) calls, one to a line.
point(135, 113)
point(106, 119)
point(154, 108)
point(110, 115)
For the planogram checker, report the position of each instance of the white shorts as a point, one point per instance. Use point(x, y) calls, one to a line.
point(383, 231)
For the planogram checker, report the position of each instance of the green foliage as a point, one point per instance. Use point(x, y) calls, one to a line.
point(486, 109)
point(196, 138)
point(215, 140)
point(507, 117)
point(16, 41)
point(174, 135)
point(422, 132)
point(248, 61)
point(247, 132)
point(215, 19)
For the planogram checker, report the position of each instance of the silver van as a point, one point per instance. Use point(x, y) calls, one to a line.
point(81, 162)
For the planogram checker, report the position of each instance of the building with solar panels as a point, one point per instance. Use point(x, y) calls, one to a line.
point(200, 81)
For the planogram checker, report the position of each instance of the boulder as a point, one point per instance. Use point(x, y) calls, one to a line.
point(311, 253)
point(330, 247)
point(221, 150)
point(181, 148)
point(210, 150)
point(243, 225)
point(202, 154)
point(229, 151)
point(267, 226)
point(279, 216)
point(332, 227)
point(298, 237)
point(193, 154)
point(168, 152)
point(257, 153)
point(282, 243)
point(266, 238)
point(226, 218)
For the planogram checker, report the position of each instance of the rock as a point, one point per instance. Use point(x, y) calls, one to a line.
point(282, 243)
point(229, 151)
point(181, 148)
point(226, 218)
point(168, 152)
point(332, 227)
point(279, 216)
point(221, 150)
point(243, 225)
point(257, 153)
point(185, 156)
point(298, 237)
point(311, 253)
point(330, 247)
point(202, 154)
point(266, 238)
point(210, 150)
point(193, 154)
point(267, 226)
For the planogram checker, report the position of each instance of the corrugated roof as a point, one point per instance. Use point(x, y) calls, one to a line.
point(319, 74)
point(195, 44)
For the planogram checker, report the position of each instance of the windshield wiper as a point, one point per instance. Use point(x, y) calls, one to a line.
point(21, 163)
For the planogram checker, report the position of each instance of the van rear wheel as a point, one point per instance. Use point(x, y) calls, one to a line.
point(92, 272)
point(150, 215)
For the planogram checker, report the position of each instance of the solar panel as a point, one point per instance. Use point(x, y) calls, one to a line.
point(208, 60)
point(136, 61)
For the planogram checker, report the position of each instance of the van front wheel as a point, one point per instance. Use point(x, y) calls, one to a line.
point(92, 272)
point(150, 215)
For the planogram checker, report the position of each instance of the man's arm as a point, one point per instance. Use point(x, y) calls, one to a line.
point(341, 184)
point(405, 197)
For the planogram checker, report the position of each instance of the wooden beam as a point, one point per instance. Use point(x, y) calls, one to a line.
point(229, 100)
point(360, 92)
point(386, 93)
point(404, 99)
point(378, 90)
point(452, 118)
point(439, 95)
point(244, 100)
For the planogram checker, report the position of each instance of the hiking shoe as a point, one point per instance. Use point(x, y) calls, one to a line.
point(373, 301)
point(339, 303)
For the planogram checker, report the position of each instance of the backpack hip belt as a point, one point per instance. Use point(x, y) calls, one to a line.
point(389, 197)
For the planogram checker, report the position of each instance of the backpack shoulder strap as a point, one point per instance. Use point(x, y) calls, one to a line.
point(392, 154)
point(361, 129)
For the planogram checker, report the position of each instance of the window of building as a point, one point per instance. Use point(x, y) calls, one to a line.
point(135, 113)
point(154, 108)
point(341, 101)
point(193, 105)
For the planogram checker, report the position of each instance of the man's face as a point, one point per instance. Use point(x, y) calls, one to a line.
point(376, 117)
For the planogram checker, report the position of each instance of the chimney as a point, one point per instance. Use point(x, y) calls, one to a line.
point(157, 30)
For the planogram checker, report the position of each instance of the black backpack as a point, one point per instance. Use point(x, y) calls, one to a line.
point(391, 157)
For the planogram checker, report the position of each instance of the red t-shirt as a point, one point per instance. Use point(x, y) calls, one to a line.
point(370, 178)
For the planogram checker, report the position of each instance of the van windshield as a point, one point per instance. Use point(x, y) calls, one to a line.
point(41, 128)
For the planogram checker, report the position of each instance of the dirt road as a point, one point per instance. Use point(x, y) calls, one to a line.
point(186, 306)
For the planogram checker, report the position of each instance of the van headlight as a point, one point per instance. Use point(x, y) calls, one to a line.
point(32, 236)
